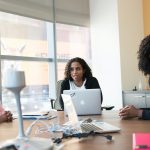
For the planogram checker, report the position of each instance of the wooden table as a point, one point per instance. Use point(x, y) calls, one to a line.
point(122, 140)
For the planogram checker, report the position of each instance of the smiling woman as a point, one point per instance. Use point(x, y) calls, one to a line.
point(78, 75)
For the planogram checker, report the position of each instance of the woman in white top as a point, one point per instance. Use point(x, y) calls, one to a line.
point(78, 75)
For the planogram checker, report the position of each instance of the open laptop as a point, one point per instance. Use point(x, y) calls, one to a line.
point(85, 125)
point(86, 101)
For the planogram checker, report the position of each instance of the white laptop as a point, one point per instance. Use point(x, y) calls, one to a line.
point(86, 125)
point(86, 101)
point(98, 126)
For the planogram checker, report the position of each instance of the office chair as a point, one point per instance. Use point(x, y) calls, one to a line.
point(55, 104)
point(107, 107)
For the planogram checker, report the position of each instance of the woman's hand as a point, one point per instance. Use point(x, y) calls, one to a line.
point(129, 112)
point(6, 117)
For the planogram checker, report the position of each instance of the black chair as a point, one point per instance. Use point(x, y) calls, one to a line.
point(107, 107)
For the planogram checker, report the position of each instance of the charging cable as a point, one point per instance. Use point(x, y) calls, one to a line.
point(29, 129)
point(82, 135)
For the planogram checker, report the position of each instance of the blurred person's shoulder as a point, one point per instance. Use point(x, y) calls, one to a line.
point(1, 109)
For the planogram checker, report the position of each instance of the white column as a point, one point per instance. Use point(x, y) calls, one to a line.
point(106, 50)
point(116, 32)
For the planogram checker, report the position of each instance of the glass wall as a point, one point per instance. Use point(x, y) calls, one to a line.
point(72, 41)
point(28, 44)
point(25, 46)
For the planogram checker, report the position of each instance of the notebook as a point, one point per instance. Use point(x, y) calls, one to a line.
point(86, 101)
point(141, 141)
point(86, 125)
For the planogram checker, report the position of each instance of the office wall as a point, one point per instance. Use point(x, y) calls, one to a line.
point(116, 32)
point(146, 14)
point(130, 14)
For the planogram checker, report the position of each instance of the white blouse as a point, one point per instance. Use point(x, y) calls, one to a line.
point(74, 87)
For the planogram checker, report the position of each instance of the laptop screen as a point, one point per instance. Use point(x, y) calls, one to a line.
point(86, 101)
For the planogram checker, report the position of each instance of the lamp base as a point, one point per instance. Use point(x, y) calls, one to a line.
point(29, 144)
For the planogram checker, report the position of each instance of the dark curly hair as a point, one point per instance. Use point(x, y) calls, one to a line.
point(144, 56)
point(86, 68)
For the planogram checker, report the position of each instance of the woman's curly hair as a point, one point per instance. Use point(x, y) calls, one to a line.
point(144, 56)
point(86, 68)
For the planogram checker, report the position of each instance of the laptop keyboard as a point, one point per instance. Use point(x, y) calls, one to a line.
point(87, 127)
point(97, 126)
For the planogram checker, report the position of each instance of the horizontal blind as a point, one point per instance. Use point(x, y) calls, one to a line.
point(39, 9)
point(67, 11)
point(73, 12)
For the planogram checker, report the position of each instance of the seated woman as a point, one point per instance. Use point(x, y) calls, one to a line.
point(5, 116)
point(78, 75)
point(144, 66)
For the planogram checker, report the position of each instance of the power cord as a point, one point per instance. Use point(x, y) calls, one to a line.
point(82, 135)
point(29, 129)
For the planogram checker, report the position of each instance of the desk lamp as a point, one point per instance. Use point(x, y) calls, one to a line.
point(15, 81)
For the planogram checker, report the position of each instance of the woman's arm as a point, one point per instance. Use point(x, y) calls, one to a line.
point(92, 83)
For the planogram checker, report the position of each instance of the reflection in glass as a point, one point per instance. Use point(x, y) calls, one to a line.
point(22, 36)
point(36, 90)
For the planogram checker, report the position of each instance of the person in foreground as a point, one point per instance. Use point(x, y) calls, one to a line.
point(5, 116)
point(144, 66)
point(78, 75)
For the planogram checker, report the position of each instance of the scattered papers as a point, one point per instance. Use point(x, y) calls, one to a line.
point(37, 115)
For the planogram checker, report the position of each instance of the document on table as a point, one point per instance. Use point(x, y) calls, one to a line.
point(37, 115)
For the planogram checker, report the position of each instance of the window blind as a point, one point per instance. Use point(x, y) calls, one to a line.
point(66, 11)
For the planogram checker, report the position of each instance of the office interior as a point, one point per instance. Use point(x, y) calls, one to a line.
point(113, 29)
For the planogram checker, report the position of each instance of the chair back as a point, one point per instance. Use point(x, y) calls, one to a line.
point(57, 105)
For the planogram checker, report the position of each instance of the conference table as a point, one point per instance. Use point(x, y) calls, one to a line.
point(121, 140)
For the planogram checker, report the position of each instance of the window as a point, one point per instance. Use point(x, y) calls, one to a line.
point(25, 46)
point(28, 44)
point(72, 41)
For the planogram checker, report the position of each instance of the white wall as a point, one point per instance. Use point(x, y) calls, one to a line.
point(106, 49)
point(116, 32)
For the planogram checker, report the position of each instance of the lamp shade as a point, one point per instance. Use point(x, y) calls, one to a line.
point(14, 79)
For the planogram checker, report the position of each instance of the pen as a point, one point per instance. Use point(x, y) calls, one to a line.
point(51, 117)
point(141, 146)
point(32, 115)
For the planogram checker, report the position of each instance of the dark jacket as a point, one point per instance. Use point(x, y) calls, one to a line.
point(146, 114)
point(91, 83)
